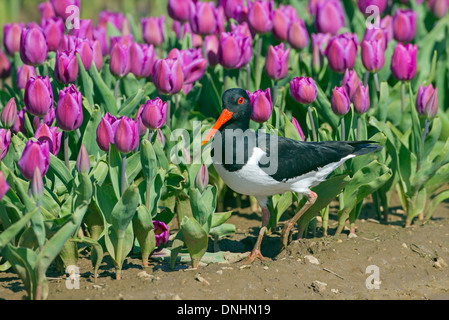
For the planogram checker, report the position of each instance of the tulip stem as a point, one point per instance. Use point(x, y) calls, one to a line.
point(117, 89)
point(359, 123)
point(248, 77)
point(403, 95)
point(365, 80)
point(204, 52)
point(147, 196)
point(66, 149)
point(168, 122)
point(426, 130)
point(312, 124)
point(258, 55)
point(342, 126)
point(225, 80)
point(376, 82)
point(275, 92)
point(123, 176)
point(299, 62)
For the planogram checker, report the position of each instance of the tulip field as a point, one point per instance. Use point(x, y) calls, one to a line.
point(103, 113)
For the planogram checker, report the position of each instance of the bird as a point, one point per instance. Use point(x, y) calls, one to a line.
point(262, 165)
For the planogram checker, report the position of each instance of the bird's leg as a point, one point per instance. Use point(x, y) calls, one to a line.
point(256, 250)
point(312, 196)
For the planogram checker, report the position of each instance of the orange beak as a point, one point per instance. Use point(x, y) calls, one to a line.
point(225, 116)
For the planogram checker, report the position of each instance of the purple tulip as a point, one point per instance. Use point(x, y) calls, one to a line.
point(438, 7)
point(126, 40)
point(66, 66)
point(179, 10)
point(19, 125)
point(261, 105)
point(212, 47)
point(427, 101)
point(182, 30)
point(364, 4)
point(126, 137)
point(202, 178)
point(168, 76)
point(404, 25)
point(5, 139)
point(53, 30)
point(11, 37)
point(51, 135)
point(117, 19)
point(235, 50)
point(97, 54)
point(69, 112)
point(297, 35)
point(62, 7)
point(298, 128)
point(35, 155)
point(260, 15)
point(340, 102)
point(46, 9)
point(5, 66)
point(386, 24)
point(33, 46)
point(84, 31)
point(319, 44)
point(350, 82)
point(373, 56)
point(83, 161)
point(9, 114)
point(120, 63)
point(138, 119)
point(361, 99)
point(242, 29)
point(142, 59)
point(24, 73)
point(303, 90)
point(48, 119)
point(193, 64)
point(235, 9)
point(106, 131)
point(403, 61)
point(99, 34)
point(379, 34)
point(37, 185)
point(154, 113)
point(38, 96)
point(4, 187)
point(283, 17)
point(341, 52)
point(276, 62)
point(161, 232)
point(153, 30)
point(84, 49)
point(329, 17)
point(203, 18)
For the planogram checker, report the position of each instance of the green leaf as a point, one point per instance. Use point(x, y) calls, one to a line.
point(143, 229)
point(196, 239)
point(203, 205)
point(148, 160)
point(223, 230)
point(290, 130)
point(90, 133)
point(12, 231)
point(60, 170)
point(105, 93)
point(87, 86)
point(125, 208)
point(96, 255)
point(84, 190)
point(218, 218)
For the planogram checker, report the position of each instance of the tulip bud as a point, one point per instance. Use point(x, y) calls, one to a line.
point(377, 34)
point(283, 17)
point(11, 37)
point(33, 46)
point(203, 18)
point(297, 35)
point(404, 25)
point(47, 11)
point(53, 30)
point(179, 10)
point(386, 24)
point(329, 17)
point(260, 15)
point(235, 9)
point(427, 101)
point(235, 50)
point(24, 73)
point(50, 135)
point(364, 4)
point(319, 44)
point(48, 119)
point(153, 30)
point(106, 131)
point(303, 90)
point(9, 114)
point(126, 137)
point(298, 127)
point(83, 161)
point(120, 60)
point(160, 137)
point(202, 178)
point(69, 112)
point(142, 57)
point(154, 113)
point(84, 31)
point(5, 66)
point(4, 187)
point(38, 96)
point(438, 7)
point(403, 61)
point(340, 102)
point(276, 62)
point(373, 56)
point(261, 105)
point(193, 64)
point(99, 34)
point(160, 232)
point(84, 49)
point(19, 125)
point(212, 45)
point(167, 76)
point(361, 99)
point(117, 19)
point(350, 82)
point(138, 119)
point(37, 185)
point(341, 52)
point(36, 154)
point(5, 139)
point(62, 7)
point(97, 54)
point(66, 66)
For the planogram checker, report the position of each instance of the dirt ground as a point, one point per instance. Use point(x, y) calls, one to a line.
point(411, 264)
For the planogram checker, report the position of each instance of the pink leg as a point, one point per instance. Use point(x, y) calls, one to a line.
point(256, 250)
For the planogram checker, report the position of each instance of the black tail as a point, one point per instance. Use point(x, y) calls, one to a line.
point(364, 147)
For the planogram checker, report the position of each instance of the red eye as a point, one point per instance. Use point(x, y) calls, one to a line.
point(241, 100)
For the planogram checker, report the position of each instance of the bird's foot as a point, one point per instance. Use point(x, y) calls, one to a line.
point(253, 255)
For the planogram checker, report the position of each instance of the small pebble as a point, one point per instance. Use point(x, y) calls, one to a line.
point(311, 259)
point(319, 286)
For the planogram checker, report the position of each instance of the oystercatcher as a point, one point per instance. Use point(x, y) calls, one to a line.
point(261, 165)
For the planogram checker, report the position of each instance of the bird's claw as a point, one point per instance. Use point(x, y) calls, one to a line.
point(253, 255)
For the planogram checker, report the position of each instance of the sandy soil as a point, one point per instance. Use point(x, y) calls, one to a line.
point(406, 261)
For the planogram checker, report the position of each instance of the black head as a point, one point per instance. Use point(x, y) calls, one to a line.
point(237, 101)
